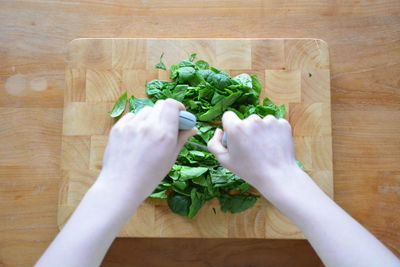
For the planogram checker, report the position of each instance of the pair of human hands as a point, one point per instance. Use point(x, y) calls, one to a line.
point(143, 147)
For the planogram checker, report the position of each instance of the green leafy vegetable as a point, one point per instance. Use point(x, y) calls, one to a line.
point(300, 164)
point(219, 107)
point(244, 80)
point(179, 204)
point(136, 104)
point(197, 177)
point(192, 57)
point(161, 65)
point(236, 203)
point(119, 106)
point(191, 172)
point(160, 194)
point(197, 201)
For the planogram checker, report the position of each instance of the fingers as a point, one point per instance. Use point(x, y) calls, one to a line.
point(269, 119)
point(274, 122)
point(253, 117)
point(126, 118)
point(284, 122)
point(185, 135)
point(144, 113)
point(167, 111)
point(229, 119)
point(253, 120)
point(215, 144)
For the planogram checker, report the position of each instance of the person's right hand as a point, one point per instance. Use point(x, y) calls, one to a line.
point(259, 151)
point(142, 148)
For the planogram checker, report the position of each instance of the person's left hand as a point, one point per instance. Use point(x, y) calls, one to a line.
point(143, 147)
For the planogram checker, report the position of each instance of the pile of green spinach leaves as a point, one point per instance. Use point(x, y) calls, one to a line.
point(197, 177)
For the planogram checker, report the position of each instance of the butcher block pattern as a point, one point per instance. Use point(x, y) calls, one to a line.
point(294, 72)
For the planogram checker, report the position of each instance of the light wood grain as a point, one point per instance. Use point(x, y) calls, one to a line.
point(364, 41)
point(86, 124)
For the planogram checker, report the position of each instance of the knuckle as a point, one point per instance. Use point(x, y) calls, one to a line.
point(284, 123)
point(269, 122)
point(242, 128)
point(171, 101)
point(160, 102)
point(144, 128)
point(161, 136)
point(165, 137)
point(145, 109)
point(269, 118)
point(253, 120)
point(254, 117)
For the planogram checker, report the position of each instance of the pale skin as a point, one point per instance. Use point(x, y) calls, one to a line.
point(132, 169)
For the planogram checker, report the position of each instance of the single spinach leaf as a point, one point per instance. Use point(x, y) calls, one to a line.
point(203, 65)
point(136, 104)
point(161, 65)
point(198, 200)
point(161, 194)
point(179, 204)
point(191, 172)
point(119, 106)
point(216, 98)
point(192, 57)
point(174, 71)
point(174, 173)
point(263, 111)
point(281, 112)
point(219, 81)
point(201, 180)
point(185, 74)
point(256, 84)
point(220, 72)
point(197, 155)
point(244, 188)
point(180, 185)
point(236, 203)
point(222, 177)
point(267, 102)
point(244, 80)
point(219, 107)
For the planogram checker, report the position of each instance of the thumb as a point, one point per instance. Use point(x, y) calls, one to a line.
point(185, 135)
point(216, 148)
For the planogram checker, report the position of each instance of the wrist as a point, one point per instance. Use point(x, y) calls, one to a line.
point(282, 185)
point(116, 195)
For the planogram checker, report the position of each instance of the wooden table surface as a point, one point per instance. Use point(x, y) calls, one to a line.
point(364, 41)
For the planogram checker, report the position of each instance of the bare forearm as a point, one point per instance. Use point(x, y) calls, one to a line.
point(88, 234)
point(338, 239)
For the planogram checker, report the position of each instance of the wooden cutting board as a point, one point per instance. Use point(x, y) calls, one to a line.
point(294, 72)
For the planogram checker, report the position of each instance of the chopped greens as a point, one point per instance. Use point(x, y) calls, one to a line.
point(197, 177)
point(119, 106)
point(161, 65)
point(136, 104)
